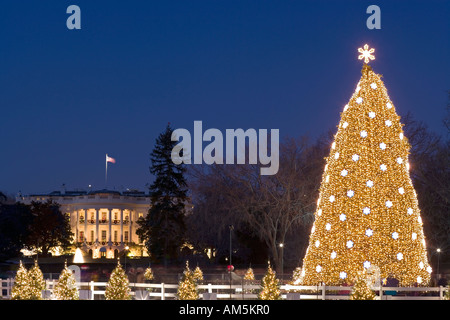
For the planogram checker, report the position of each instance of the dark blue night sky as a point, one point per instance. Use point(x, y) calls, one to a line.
point(68, 97)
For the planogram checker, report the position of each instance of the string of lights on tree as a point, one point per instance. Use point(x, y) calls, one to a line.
point(117, 287)
point(66, 288)
point(270, 286)
point(367, 212)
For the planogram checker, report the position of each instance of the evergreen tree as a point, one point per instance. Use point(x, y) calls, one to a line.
point(163, 229)
point(21, 289)
point(296, 276)
point(249, 279)
point(148, 274)
point(66, 288)
point(117, 287)
point(198, 274)
point(367, 212)
point(187, 288)
point(249, 275)
point(361, 290)
point(36, 281)
point(270, 286)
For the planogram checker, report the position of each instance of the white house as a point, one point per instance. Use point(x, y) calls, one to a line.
point(104, 222)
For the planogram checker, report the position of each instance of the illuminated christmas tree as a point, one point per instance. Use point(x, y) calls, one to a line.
point(21, 288)
point(66, 288)
point(117, 287)
point(148, 274)
point(187, 287)
point(249, 275)
point(198, 274)
point(361, 289)
point(296, 276)
point(367, 212)
point(270, 286)
point(36, 282)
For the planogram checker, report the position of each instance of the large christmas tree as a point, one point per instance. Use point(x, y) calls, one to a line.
point(164, 226)
point(367, 212)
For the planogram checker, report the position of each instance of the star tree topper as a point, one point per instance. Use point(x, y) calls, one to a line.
point(366, 53)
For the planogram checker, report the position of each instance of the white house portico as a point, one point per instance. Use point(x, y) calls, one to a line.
point(103, 221)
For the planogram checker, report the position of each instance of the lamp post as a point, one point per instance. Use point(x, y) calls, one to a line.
point(281, 245)
point(126, 252)
point(438, 253)
point(231, 266)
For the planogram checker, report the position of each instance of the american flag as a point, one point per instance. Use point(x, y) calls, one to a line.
point(109, 159)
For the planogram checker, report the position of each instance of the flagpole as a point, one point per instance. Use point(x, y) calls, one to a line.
point(106, 171)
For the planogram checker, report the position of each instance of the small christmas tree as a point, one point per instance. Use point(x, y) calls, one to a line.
point(148, 274)
point(36, 281)
point(21, 288)
point(117, 286)
point(270, 286)
point(297, 276)
point(198, 274)
point(187, 288)
point(249, 279)
point(361, 289)
point(66, 288)
point(249, 275)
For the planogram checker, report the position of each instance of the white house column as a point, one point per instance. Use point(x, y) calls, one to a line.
point(85, 225)
point(121, 226)
point(97, 222)
point(77, 222)
point(132, 214)
point(110, 218)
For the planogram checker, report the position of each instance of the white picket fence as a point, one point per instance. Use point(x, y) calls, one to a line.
point(162, 291)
